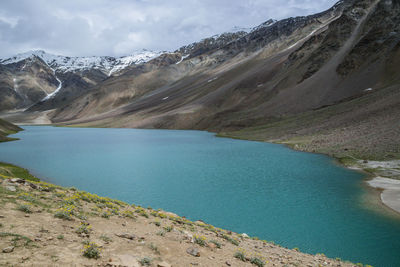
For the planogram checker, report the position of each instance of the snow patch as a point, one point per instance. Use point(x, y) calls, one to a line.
point(182, 58)
point(213, 79)
point(15, 84)
point(64, 64)
point(266, 24)
point(51, 95)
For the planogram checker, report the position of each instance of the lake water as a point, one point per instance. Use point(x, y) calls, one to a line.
point(292, 198)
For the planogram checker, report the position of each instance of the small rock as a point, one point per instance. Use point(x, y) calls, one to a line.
point(17, 180)
point(244, 235)
point(365, 161)
point(212, 245)
point(193, 251)
point(2, 216)
point(8, 249)
point(123, 224)
point(38, 239)
point(33, 186)
point(11, 188)
point(50, 238)
point(27, 215)
point(126, 235)
point(228, 263)
point(163, 264)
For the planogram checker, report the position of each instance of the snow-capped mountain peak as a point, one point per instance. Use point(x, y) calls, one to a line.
point(265, 24)
point(107, 64)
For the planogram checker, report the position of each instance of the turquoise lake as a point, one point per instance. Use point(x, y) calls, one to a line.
point(292, 198)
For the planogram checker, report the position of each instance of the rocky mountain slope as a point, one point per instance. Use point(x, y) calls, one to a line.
point(46, 80)
point(328, 65)
point(7, 128)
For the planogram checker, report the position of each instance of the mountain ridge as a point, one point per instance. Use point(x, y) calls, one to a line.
point(108, 64)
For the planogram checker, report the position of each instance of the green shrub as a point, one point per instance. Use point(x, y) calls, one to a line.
point(161, 233)
point(154, 248)
point(60, 237)
point(141, 211)
point(200, 240)
point(16, 238)
point(91, 251)
point(230, 239)
point(257, 261)
point(65, 212)
point(105, 215)
point(63, 215)
point(168, 228)
point(146, 261)
point(105, 238)
point(24, 208)
point(240, 254)
point(84, 228)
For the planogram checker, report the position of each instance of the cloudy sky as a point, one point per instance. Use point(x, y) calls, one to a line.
point(118, 27)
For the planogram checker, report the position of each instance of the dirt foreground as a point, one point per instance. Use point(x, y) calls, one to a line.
point(47, 225)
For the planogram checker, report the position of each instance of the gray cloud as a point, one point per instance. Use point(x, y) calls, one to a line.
point(118, 27)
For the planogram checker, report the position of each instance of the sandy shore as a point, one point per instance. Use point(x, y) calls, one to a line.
point(391, 191)
point(386, 177)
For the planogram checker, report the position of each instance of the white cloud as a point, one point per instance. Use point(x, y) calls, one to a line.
point(101, 27)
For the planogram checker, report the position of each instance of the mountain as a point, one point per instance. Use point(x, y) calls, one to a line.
point(63, 64)
point(37, 77)
point(7, 128)
point(324, 80)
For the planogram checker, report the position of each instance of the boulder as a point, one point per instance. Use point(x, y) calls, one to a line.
point(193, 251)
point(17, 180)
point(212, 245)
point(11, 188)
point(163, 264)
point(8, 249)
point(33, 186)
point(244, 235)
point(126, 235)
